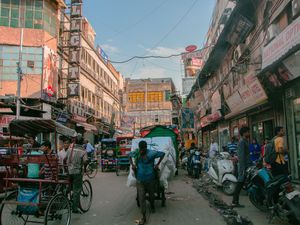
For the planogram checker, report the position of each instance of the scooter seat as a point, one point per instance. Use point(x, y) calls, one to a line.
point(277, 181)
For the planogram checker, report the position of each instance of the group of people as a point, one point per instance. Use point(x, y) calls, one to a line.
point(245, 154)
point(72, 153)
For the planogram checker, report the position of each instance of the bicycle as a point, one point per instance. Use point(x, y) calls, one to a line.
point(91, 169)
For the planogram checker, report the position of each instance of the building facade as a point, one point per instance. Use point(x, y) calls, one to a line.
point(250, 76)
point(148, 102)
point(50, 53)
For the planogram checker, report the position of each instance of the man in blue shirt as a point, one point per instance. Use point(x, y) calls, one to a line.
point(144, 168)
point(89, 148)
point(232, 146)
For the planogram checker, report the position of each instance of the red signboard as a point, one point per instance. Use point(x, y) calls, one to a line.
point(191, 48)
point(5, 120)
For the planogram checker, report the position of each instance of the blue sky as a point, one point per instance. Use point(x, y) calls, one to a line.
point(127, 28)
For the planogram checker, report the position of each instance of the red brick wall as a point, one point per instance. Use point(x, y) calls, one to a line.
point(30, 87)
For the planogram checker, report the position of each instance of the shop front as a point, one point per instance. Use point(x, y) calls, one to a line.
point(280, 76)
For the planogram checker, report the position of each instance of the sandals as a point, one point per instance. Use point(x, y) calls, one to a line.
point(142, 221)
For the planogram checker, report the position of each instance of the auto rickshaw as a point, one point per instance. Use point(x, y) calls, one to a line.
point(108, 154)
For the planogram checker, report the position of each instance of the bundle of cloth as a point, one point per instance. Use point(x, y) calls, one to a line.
point(167, 167)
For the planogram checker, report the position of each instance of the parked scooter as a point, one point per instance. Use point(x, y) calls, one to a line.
point(221, 170)
point(196, 164)
point(273, 194)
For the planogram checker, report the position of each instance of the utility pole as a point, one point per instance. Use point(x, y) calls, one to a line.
point(19, 70)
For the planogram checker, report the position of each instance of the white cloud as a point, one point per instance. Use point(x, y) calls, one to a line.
point(110, 49)
point(164, 51)
point(151, 72)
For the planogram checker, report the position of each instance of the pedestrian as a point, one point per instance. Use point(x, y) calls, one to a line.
point(263, 149)
point(47, 171)
point(143, 164)
point(62, 154)
point(279, 167)
point(191, 151)
point(232, 146)
point(76, 159)
point(255, 151)
point(243, 163)
point(89, 149)
point(213, 149)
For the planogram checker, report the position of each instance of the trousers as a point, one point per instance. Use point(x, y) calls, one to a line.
point(142, 189)
point(76, 181)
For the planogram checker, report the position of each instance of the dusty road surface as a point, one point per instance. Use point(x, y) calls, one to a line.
point(114, 204)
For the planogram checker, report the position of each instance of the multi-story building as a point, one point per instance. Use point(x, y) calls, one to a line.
point(47, 64)
point(148, 101)
point(251, 76)
point(34, 26)
point(96, 106)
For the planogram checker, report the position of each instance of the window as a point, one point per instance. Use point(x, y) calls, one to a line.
point(154, 96)
point(9, 13)
point(30, 64)
point(136, 97)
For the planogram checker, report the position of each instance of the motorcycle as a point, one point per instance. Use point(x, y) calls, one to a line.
point(189, 162)
point(221, 170)
point(196, 165)
point(273, 194)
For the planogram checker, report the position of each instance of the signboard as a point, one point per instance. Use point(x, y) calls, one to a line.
point(196, 54)
point(248, 95)
point(187, 118)
point(73, 89)
point(103, 55)
point(79, 119)
point(75, 46)
point(285, 41)
point(50, 74)
point(187, 84)
point(5, 120)
point(206, 120)
point(191, 48)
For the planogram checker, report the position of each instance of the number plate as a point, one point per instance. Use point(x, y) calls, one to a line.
point(291, 195)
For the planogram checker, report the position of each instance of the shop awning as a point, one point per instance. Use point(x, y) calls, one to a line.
point(87, 126)
point(235, 113)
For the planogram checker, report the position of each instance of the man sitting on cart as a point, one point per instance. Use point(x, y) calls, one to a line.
point(144, 168)
point(76, 159)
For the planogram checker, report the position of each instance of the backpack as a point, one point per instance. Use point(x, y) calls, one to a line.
point(270, 152)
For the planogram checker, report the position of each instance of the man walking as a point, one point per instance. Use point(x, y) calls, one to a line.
point(76, 158)
point(243, 163)
point(144, 168)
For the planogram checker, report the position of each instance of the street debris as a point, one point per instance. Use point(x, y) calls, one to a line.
point(204, 186)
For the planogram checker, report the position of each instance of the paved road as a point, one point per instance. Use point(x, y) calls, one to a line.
point(114, 204)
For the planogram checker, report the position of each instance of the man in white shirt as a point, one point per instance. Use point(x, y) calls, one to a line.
point(214, 148)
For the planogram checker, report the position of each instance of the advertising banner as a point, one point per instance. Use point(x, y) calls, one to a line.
point(187, 84)
point(187, 118)
point(50, 75)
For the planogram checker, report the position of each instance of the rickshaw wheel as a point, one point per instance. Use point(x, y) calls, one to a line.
point(9, 214)
point(58, 211)
point(91, 170)
point(86, 196)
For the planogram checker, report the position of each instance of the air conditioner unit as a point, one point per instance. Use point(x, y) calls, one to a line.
point(272, 32)
point(295, 8)
point(238, 52)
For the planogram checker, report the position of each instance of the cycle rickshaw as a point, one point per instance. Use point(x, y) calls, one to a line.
point(39, 200)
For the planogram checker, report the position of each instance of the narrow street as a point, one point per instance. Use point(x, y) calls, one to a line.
point(114, 204)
